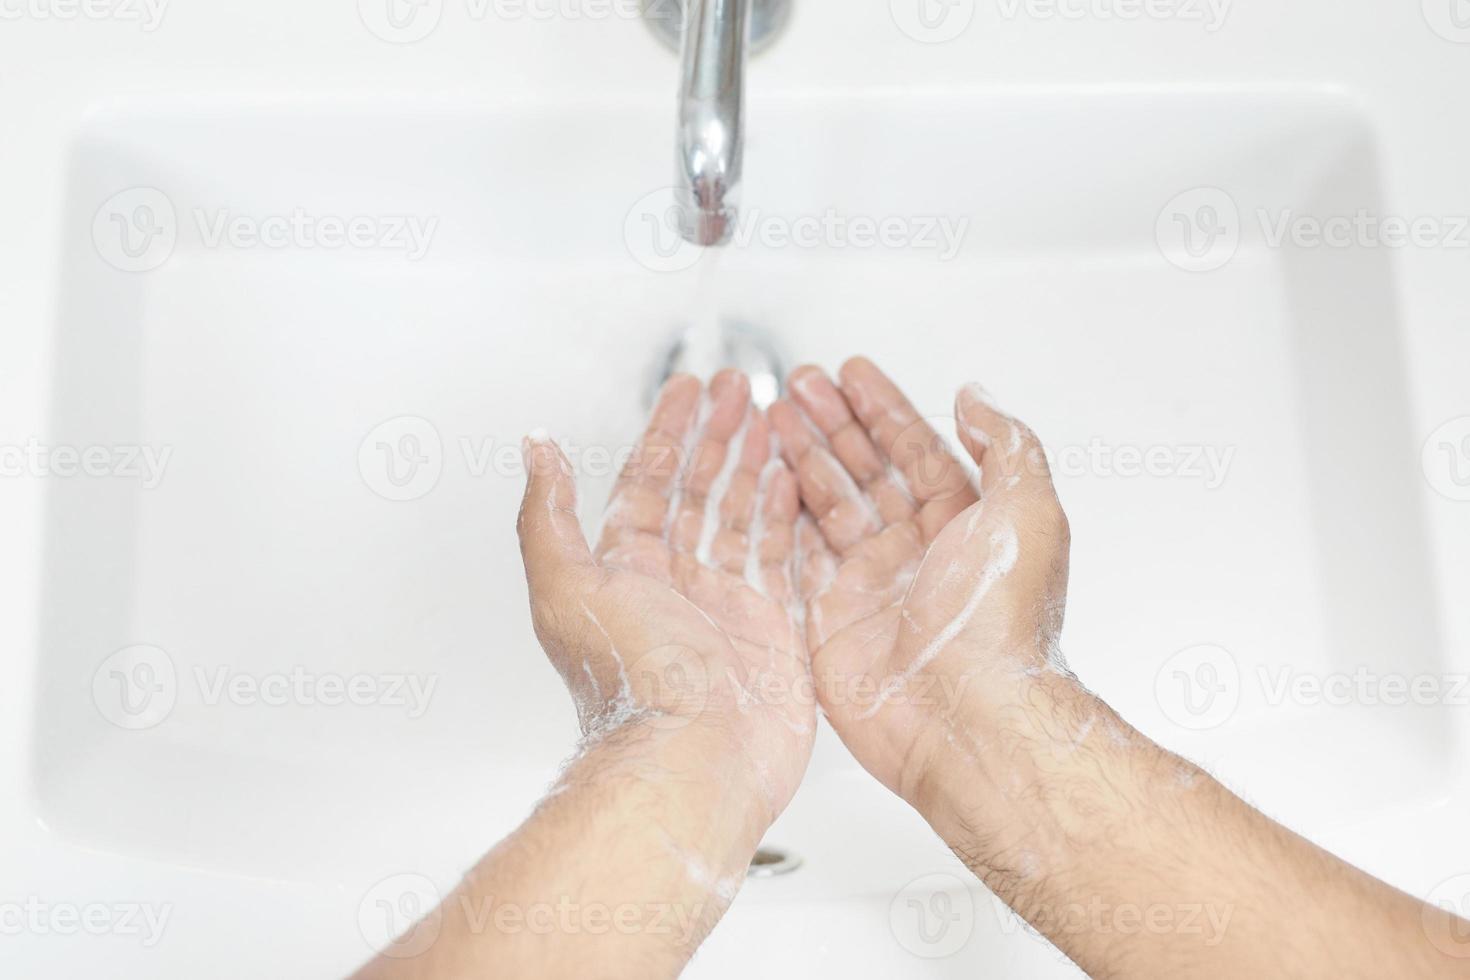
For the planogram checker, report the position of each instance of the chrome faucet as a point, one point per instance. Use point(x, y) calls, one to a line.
point(715, 39)
point(711, 136)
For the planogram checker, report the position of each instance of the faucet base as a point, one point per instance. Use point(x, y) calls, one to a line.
point(725, 343)
point(666, 19)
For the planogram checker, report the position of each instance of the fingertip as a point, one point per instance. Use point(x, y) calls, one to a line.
point(678, 382)
point(857, 366)
point(804, 375)
point(859, 380)
point(539, 452)
point(974, 397)
point(727, 408)
point(675, 409)
point(729, 382)
point(976, 416)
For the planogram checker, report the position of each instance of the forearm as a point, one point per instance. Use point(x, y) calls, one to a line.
point(1134, 862)
point(621, 871)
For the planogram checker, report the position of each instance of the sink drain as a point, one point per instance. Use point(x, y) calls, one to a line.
point(705, 349)
point(772, 861)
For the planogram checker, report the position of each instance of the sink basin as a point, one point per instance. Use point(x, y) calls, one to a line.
point(342, 424)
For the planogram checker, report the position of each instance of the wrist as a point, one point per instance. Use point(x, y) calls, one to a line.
point(1023, 783)
point(642, 824)
point(689, 775)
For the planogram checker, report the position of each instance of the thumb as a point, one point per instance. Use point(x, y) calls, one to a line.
point(552, 542)
point(1006, 450)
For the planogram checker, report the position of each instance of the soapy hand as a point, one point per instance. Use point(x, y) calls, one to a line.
point(682, 619)
point(934, 595)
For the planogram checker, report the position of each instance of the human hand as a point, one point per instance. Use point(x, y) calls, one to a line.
point(681, 621)
point(934, 600)
point(934, 608)
point(669, 636)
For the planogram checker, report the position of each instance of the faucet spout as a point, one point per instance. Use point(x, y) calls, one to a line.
point(711, 131)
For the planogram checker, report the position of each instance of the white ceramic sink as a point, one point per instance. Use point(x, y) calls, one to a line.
point(293, 388)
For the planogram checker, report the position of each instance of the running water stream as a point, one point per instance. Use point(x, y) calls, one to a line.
point(704, 340)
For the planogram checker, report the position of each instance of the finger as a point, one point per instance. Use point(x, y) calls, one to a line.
point(1008, 453)
point(937, 480)
point(795, 433)
point(718, 447)
point(849, 442)
point(844, 514)
point(816, 566)
point(552, 542)
point(738, 508)
point(772, 538)
point(640, 498)
point(738, 511)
